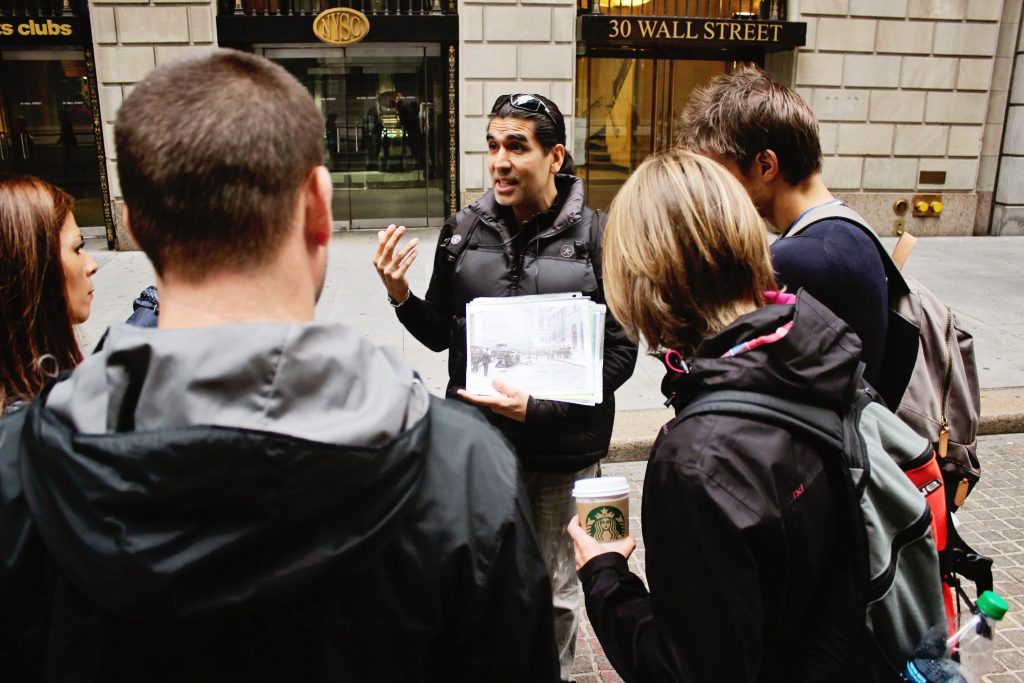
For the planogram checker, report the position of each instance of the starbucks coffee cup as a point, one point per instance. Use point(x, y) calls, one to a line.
point(603, 506)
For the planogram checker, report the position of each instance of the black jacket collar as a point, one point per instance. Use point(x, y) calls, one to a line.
point(816, 362)
point(565, 212)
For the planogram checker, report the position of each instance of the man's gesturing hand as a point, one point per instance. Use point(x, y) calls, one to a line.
point(392, 265)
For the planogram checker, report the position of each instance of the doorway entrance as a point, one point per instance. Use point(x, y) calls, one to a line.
point(383, 109)
point(627, 109)
point(46, 125)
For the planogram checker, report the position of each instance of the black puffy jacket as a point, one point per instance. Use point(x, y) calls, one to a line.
point(556, 251)
point(298, 509)
point(750, 569)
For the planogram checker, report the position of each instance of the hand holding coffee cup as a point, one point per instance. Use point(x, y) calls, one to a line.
point(602, 523)
point(587, 548)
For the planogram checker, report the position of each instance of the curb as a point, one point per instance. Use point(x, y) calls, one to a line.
point(1002, 412)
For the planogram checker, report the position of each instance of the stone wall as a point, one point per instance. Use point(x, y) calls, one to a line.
point(1008, 208)
point(130, 38)
point(903, 87)
point(510, 47)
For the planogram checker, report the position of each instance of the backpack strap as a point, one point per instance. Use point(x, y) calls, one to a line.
point(826, 211)
point(899, 253)
point(902, 249)
point(845, 213)
point(597, 225)
point(961, 559)
point(819, 423)
point(465, 223)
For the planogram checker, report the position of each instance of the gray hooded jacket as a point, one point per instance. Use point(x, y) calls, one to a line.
point(262, 502)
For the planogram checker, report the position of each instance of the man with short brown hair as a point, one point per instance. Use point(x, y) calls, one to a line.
point(239, 186)
point(767, 136)
point(243, 493)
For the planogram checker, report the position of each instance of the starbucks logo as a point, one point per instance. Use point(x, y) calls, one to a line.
point(606, 524)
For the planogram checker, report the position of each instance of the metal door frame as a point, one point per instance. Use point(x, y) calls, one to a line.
point(419, 50)
point(83, 54)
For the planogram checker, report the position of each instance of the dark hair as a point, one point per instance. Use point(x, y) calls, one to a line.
point(549, 130)
point(34, 312)
point(740, 114)
point(211, 153)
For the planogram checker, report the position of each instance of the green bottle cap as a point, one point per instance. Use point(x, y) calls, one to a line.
point(991, 605)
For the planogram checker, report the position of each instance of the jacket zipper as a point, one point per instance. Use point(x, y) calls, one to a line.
point(947, 381)
point(517, 263)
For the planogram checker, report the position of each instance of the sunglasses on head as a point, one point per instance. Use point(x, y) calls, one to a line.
point(530, 103)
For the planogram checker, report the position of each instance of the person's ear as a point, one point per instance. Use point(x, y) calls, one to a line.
point(319, 219)
point(766, 164)
point(127, 223)
point(557, 157)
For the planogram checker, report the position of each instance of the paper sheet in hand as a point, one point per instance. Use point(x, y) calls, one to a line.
point(550, 346)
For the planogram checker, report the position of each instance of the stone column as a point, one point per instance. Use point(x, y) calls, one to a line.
point(511, 47)
point(1008, 203)
point(130, 38)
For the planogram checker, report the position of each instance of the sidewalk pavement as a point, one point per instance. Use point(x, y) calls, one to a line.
point(980, 278)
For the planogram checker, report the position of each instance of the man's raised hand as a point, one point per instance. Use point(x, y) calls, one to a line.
point(392, 265)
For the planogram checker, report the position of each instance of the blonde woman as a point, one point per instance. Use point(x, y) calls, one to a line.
point(745, 551)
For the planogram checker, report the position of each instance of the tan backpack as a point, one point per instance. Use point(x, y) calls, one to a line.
point(929, 371)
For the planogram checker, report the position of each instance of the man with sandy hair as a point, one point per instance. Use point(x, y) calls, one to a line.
point(243, 493)
point(767, 136)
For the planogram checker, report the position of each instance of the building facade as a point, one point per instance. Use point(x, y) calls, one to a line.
point(920, 105)
point(49, 112)
point(912, 98)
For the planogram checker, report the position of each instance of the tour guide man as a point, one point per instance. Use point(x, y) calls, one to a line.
point(530, 234)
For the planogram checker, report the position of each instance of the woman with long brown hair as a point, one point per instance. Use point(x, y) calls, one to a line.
point(45, 286)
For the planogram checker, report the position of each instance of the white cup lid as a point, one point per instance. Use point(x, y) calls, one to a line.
point(601, 487)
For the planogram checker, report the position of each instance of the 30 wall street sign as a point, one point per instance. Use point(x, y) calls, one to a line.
point(341, 26)
point(619, 30)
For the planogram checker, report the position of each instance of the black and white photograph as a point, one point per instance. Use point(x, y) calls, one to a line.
point(543, 345)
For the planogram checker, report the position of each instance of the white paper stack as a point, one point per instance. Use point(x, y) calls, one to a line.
point(550, 345)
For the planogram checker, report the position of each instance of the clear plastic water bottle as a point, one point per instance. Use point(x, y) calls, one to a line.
point(975, 641)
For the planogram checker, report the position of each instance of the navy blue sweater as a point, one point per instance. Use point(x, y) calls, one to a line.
point(840, 266)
